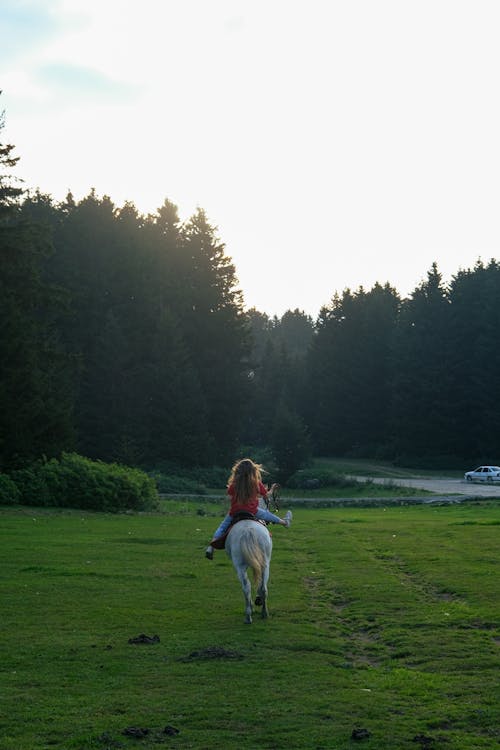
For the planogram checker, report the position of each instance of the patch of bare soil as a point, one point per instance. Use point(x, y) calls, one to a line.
point(147, 639)
point(423, 740)
point(212, 652)
point(108, 742)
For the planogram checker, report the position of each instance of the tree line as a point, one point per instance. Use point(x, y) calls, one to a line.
point(125, 337)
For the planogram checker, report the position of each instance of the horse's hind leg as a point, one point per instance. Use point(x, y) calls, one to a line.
point(261, 599)
point(247, 592)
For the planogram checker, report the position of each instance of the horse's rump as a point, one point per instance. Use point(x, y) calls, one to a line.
point(252, 547)
point(252, 553)
point(249, 545)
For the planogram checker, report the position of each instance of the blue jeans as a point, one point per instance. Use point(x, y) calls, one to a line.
point(262, 515)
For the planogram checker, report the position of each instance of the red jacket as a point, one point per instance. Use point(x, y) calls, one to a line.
point(251, 506)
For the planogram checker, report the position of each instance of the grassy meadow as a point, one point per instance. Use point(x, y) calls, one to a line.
point(384, 622)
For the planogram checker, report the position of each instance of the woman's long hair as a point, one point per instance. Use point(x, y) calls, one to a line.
point(245, 478)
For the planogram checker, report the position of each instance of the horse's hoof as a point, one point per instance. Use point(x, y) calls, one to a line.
point(258, 601)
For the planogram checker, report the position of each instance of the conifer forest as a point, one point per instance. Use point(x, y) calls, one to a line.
point(125, 337)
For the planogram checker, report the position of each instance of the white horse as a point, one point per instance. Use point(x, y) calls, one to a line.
point(249, 545)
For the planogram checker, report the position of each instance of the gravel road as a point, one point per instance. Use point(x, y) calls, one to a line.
point(445, 491)
point(444, 486)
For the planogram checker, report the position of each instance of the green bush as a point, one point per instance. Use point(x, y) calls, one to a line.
point(32, 485)
point(9, 493)
point(74, 481)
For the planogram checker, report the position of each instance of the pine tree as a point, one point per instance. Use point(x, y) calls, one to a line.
point(215, 330)
point(348, 371)
point(421, 408)
point(475, 362)
point(290, 442)
point(35, 403)
point(9, 193)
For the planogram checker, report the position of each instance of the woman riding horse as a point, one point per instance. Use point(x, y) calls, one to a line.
point(244, 487)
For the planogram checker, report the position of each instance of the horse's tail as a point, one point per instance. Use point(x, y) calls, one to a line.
point(253, 554)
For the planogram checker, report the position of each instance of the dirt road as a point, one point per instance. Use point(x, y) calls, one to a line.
point(445, 486)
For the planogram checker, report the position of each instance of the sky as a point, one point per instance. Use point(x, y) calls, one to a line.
point(334, 143)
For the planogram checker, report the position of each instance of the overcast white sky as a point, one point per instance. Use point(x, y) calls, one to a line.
point(335, 143)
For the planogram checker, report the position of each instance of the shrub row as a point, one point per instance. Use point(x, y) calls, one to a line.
point(74, 481)
point(9, 493)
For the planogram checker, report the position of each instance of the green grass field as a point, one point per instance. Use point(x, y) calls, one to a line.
point(383, 621)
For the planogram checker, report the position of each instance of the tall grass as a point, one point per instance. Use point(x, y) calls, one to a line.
point(383, 620)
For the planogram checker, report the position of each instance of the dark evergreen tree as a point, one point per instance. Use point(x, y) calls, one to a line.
point(279, 346)
point(270, 388)
point(422, 411)
point(139, 399)
point(215, 331)
point(10, 191)
point(261, 333)
point(348, 401)
point(290, 442)
point(178, 424)
point(474, 363)
point(295, 330)
point(34, 399)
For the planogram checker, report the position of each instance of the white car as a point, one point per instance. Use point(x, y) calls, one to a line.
point(483, 474)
